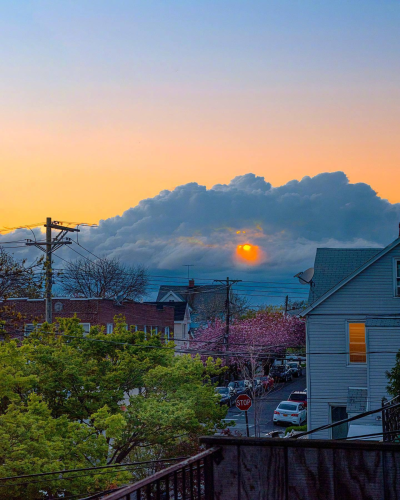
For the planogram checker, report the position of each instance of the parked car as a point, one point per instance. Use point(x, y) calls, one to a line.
point(227, 395)
point(248, 384)
point(299, 397)
point(281, 372)
point(290, 412)
point(267, 382)
point(258, 388)
point(239, 387)
point(295, 368)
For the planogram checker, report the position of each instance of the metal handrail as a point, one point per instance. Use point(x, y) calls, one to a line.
point(121, 493)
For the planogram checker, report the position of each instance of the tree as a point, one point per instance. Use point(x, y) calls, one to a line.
point(393, 375)
point(264, 333)
point(106, 278)
point(69, 401)
point(17, 279)
point(252, 344)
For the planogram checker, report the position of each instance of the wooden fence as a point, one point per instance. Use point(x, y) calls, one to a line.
point(289, 469)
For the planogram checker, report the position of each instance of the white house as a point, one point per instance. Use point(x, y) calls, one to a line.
point(353, 335)
point(182, 320)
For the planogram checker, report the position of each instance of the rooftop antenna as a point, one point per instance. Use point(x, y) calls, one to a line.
point(305, 277)
point(188, 266)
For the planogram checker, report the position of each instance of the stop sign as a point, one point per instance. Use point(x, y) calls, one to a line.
point(243, 402)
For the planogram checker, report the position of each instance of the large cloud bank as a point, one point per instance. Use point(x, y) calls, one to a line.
point(195, 225)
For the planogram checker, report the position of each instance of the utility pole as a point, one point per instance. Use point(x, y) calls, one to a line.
point(286, 304)
point(49, 272)
point(49, 247)
point(228, 284)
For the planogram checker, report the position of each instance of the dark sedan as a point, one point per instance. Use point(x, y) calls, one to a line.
point(227, 396)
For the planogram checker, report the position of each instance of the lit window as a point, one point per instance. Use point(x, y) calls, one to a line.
point(110, 327)
point(357, 345)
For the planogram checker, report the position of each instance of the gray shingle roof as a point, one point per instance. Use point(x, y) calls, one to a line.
point(203, 299)
point(332, 265)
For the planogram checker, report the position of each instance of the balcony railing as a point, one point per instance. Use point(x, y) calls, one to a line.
point(191, 479)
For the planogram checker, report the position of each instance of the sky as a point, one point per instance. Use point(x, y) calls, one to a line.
point(245, 229)
point(104, 104)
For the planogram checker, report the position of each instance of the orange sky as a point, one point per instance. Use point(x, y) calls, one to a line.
point(86, 168)
point(103, 107)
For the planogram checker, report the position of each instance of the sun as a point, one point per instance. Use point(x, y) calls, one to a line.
point(248, 252)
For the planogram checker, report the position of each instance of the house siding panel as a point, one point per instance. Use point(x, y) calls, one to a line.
point(369, 294)
point(382, 357)
point(329, 373)
point(371, 291)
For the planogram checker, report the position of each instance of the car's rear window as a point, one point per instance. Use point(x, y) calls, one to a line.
point(287, 406)
point(298, 397)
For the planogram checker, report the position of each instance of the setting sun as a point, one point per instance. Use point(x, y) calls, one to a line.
point(250, 253)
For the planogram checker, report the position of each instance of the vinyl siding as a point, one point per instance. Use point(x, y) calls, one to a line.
point(372, 291)
point(383, 345)
point(329, 374)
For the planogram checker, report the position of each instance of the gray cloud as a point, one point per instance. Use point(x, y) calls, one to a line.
point(192, 224)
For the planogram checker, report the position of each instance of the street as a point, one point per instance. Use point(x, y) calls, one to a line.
point(264, 407)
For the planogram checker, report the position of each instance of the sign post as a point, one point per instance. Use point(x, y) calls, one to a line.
point(243, 402)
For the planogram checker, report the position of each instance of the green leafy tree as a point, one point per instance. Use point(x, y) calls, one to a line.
point(393, 375)
point(69, 401)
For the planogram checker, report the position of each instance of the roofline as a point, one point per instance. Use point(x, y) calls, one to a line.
point(350, 277)
point(174, 294)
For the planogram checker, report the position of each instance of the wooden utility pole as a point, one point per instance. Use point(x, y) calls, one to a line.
point(49, 273)
point(229, 284)
point(48, 247)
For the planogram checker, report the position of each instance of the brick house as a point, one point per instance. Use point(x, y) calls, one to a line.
point(93, 311)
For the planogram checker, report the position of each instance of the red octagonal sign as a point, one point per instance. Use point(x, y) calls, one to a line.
point(243, 402)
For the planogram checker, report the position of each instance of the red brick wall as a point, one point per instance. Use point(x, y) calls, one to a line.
point(95, 312)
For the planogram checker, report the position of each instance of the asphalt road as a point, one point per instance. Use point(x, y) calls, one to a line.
point(264, 407)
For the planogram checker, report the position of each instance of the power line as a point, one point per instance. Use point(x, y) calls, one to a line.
point(64, 471)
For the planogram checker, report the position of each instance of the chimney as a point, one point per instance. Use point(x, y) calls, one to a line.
point(191, 283)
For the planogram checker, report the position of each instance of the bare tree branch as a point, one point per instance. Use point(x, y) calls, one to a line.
point(105, 278)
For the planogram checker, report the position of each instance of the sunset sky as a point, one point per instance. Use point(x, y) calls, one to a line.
point(105, 103)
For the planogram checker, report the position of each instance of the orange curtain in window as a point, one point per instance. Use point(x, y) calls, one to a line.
point(357, 347)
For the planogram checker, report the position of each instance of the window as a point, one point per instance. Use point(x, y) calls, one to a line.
point(357, 345)
point(166, 331)
point(397, 277)
point(339, 413)
point(86, 328)
point(30, 327)
point(110, 327)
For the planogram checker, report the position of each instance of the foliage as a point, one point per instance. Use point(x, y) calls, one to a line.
point(17, 279)
point(268, 332)
point(296, 428)
point(393, 375)
point(106, 278)
point(70, 401)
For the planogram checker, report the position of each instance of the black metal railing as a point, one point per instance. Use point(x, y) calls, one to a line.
point(191, 479)
point(391, 419)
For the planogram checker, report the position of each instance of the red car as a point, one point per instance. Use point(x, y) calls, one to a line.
point(298, 397)
point(267, 382)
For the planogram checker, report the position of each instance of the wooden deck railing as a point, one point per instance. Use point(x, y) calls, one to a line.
point(191, 479)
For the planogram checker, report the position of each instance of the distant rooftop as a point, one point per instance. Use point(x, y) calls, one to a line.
point(179, 308)
point(332, 265)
